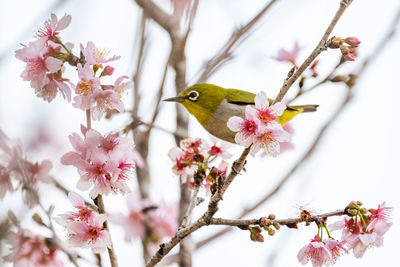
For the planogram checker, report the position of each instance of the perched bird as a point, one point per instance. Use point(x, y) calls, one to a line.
point(213, 105)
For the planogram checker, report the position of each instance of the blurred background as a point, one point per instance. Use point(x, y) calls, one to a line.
point(356, 158)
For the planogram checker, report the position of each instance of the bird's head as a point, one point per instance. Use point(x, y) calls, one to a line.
point(201, 100)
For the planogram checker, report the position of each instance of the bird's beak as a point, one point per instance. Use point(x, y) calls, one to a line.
point(178, 99)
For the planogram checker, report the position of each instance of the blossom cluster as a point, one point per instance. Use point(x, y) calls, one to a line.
point(362, 230)
point(260, 128)
point(159, 220)
point(16, 168)
point(194, 156)
point(45, 60)
point(347, 46)
point(30, 250)
point(103, 162)
point(85, 226)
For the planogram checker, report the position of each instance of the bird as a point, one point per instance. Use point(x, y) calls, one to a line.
point(213, 105)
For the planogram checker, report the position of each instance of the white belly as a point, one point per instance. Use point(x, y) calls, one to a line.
point(217, 125)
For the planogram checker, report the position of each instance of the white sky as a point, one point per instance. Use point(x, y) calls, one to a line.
point(356, 160)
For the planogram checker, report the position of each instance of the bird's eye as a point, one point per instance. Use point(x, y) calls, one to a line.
point(193, 95)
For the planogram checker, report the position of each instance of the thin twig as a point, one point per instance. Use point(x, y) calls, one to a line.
point(327, 78)
point(193, 200)
point(320, 47)
point(225, 53)
point(139, 62)
point(288, 222)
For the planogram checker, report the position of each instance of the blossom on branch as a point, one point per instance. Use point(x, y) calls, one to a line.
point(104, 163)
point(160, 219)
point(30, 250)
point(260, 129)
point(14, 166)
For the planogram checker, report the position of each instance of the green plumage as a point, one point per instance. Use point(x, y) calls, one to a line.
point(213, 105)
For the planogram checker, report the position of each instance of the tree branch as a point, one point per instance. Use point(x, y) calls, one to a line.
point(320, 47)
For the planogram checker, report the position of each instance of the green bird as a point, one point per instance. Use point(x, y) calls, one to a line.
point(213, 105)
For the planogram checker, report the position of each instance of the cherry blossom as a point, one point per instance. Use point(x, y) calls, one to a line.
point(29, 250)
point(265, 112)
point(246, 128)
point(316, 251)
point(94, 56)
point(133, 223)
point(89, 234)
point(83, 213)
point(360, 234)
point(289, 56)
point(104, 163)
point(52, 26)
point(161, 219)
point(268, 139)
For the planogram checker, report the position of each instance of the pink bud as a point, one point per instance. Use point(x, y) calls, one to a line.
point(108, 70)
point(353, 41)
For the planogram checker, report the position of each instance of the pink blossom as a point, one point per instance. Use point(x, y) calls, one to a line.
point(29, 250)
point(265, 112)
point(316, 251)
point(161, 219)
point(336, 248)
point(105, 100)
point(289, 56)
point(94, 56)
point(246, 128)
point(86, 87)
point(52, 26)
point(83, 213)
point(358, 236)
point(187, 156)
point(121, 87)
point(219, 148)
point(133, 223)
point(43, 71)
point(104, 163)
point(183, 163)
point(268, 139)
point(164, 221)
point(380, 219)
point(89, 234)
point(284, 146)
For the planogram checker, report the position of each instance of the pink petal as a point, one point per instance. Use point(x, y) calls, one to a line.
point(234, 123)
point(64, 22)
point(261, 100)
point(53, 64)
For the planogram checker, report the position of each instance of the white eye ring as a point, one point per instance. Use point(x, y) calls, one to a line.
point(193, 95)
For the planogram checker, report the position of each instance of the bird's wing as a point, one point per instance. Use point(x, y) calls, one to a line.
point(240, 97)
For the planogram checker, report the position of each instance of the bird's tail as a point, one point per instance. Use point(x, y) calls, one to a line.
point(304, 108)
point(292, 111)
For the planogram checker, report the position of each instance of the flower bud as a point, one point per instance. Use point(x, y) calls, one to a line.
point(352, 212)
point(353, 41)
point(363, 211)
point(271, 232)
point(108, 70)
point(335, 42)
point(276, 225)
point(271, 217)
point(198, 158)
